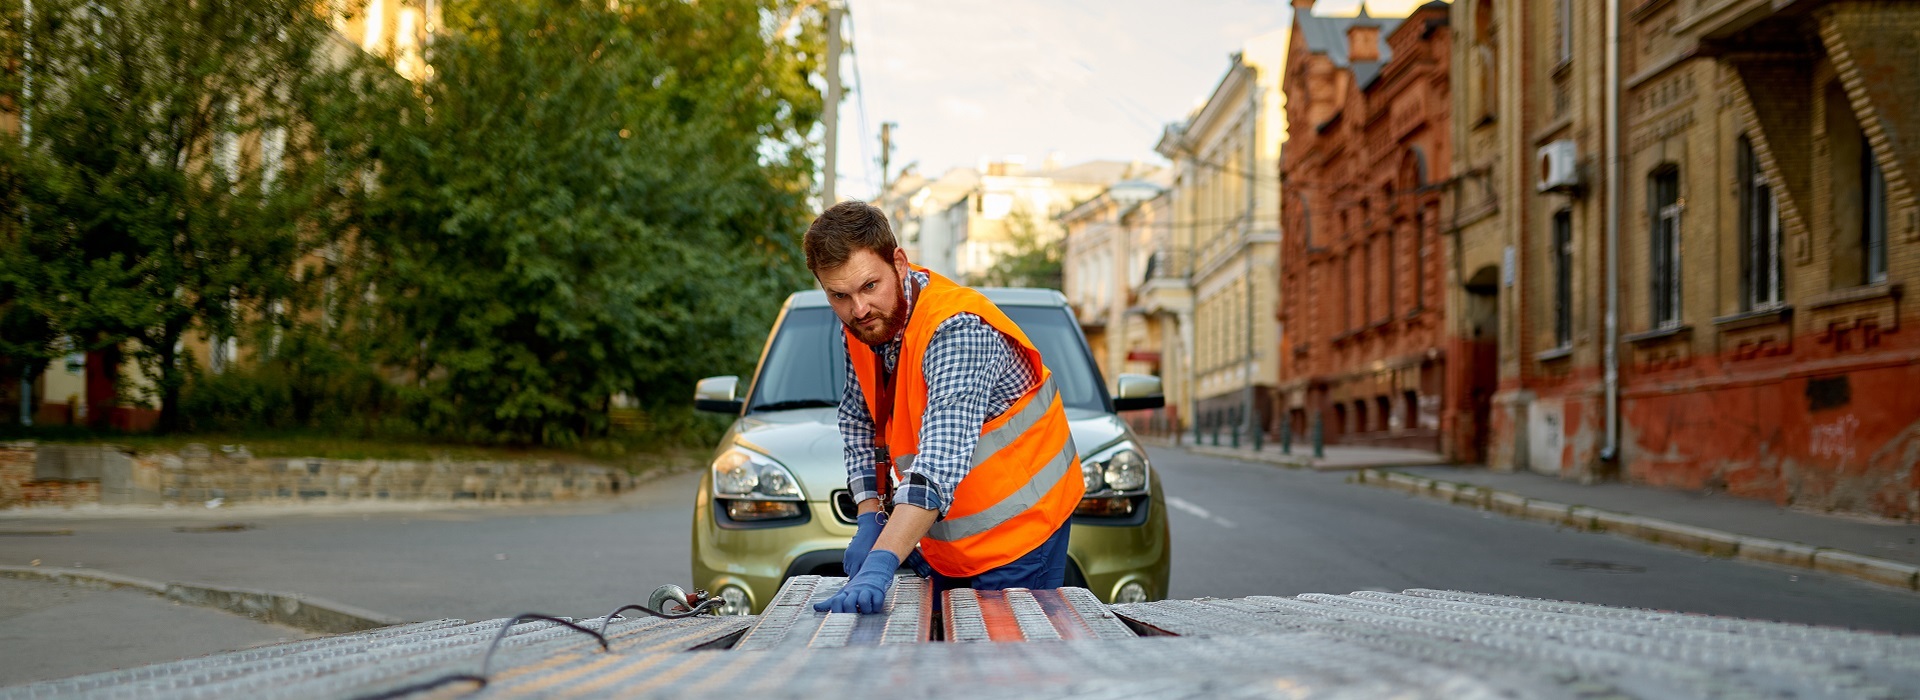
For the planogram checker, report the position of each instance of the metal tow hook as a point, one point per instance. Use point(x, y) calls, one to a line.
point(674, 594)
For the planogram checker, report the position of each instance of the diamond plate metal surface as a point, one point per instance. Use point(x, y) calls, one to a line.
point(1021, 615)
point(791, 622)
point(1414, 644)
point(1639, 653)
point(370, 662)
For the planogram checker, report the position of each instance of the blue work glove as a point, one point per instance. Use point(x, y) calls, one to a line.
point(869, 530)
point(867, 591)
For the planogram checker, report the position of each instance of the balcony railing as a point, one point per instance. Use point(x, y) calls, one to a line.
point(1170, 263)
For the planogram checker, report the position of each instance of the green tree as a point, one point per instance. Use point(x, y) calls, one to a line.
point(177, 168)
point(589, 198)
point(1033, 259)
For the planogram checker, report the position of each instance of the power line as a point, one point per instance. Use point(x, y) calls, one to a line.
point(860, 94)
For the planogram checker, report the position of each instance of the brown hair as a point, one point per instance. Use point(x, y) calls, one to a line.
point(844, 229)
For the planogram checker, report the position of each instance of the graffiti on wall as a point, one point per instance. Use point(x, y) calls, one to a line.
point(1834, 441)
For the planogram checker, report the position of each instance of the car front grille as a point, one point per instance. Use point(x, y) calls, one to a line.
point(843, 507)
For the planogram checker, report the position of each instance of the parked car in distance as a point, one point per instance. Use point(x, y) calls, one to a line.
point(774, 502)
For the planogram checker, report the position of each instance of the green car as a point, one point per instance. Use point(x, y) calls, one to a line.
point(775, 504)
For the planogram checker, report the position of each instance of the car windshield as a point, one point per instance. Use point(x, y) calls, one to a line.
point(805, 367)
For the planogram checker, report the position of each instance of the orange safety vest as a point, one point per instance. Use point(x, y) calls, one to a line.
point(1024, 483)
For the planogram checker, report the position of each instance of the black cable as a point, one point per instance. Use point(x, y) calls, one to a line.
point(704, 606)
point(486, 663)
point(404, 691)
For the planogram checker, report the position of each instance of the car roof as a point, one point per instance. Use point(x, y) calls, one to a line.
point(1000, 296)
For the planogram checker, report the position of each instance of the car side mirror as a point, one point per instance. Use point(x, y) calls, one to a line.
point(1136, 392)
point(718, 395)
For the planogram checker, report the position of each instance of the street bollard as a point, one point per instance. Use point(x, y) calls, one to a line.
point(1319, 438)
point(1259, 435)
point(1236, 435)
point(1286, 434)
point(1216, 434)
point(1197, 438)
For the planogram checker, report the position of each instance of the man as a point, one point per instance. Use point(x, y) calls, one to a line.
point(955, 437)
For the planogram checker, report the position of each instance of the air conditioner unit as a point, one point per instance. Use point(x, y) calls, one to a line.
point(1557, 170)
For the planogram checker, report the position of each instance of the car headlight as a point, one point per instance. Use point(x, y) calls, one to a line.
point(1120, 470)
point(1127, 471)
point(745, 475)
point(1091, 473)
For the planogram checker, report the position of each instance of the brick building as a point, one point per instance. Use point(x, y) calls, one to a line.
point(1366, 348)
point(1716, 304)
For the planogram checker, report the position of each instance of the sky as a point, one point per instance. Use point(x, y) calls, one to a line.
point(1087, 79)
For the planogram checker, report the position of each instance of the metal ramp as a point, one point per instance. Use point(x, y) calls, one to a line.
point(1064, 643)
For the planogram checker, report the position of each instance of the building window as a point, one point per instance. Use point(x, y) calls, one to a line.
point(1665, 208)
point(1873, 209)
point(1563, 278)
point(1565, 25)
point(1412, 400)
point(1366, 283)
point(1420, 259)
point(1393, 261)
point(1346, 300)
point(1760, 233)
point(1484, 92)
point(1385, 411)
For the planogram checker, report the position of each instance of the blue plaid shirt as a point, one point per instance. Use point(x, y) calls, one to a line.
point(974, 374)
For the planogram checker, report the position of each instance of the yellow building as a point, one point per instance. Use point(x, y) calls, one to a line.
point(1224, 200)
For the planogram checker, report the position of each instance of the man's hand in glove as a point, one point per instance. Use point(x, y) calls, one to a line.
point(867, 591)
point(869, 530)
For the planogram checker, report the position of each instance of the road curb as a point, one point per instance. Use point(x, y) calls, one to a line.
point(294, 610)
point(1676, 535)
point(1273, 455)
point(1275, 458)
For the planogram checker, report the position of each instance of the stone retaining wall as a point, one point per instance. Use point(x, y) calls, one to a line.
point(72, 475)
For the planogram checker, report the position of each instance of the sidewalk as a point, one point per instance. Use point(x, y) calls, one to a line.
point(1880, 551)
point(1334, 458)
point(53, 630)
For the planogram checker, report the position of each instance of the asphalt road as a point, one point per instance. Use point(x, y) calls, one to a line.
point(1238, 529)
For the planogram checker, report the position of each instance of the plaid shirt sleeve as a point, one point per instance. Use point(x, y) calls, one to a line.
point(856, 432)
point(972, 374)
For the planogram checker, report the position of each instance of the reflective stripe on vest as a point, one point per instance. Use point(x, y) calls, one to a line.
point(1015, 503)
point(999, 438)
point(994, 441)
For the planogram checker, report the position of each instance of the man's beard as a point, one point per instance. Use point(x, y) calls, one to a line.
point(889, 326)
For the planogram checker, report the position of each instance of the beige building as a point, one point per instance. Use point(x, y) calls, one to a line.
point(922, 212)
point(1224, 200)
point(1009, 200)
point(1115, 251)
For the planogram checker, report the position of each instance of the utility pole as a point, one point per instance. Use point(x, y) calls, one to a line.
point(831, 119)
point(886, 153)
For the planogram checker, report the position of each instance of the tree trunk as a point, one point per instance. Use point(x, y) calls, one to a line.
point(171, 378)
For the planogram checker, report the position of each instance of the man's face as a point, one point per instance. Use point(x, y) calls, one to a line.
point(866, 294)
